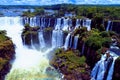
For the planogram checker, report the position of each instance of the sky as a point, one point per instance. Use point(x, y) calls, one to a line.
point(48, 2)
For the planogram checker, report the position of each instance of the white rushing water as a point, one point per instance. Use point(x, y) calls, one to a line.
point(98, 72)
point(57, 35)
point(87, 23)
point(58, 25)
point(108, 26)
point(29, 64)
point(41, 40)
point(57, 38)
point(66, 45)
point(83, 48)
point(65, 25)
point(78, 23)
point(75, 42)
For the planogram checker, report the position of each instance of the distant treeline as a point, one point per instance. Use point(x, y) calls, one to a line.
point(106, 11)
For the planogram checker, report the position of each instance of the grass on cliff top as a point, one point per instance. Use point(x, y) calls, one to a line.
point(71, 57)
point(70, 60)
point(3, 36)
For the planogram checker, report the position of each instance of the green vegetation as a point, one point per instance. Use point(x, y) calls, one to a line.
point(30, 34)
point(36, 12)
point(98, 39)
point(90, 11)
point(3, 36)
point(68, 59)
point(48, 29)
point(7, 51)
point(108, 12)
point(28, 29)
point(28, 13)
point(94, 38)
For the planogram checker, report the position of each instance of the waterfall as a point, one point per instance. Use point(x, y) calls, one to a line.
point(84, 23)
point(111, 26)
point(57, 38)
point(77, 23)
point(29, 64)
point(75, 42)
point(41, 40)
point(70, 24)
point(26, 20)
point(32, 44)
point(103, 69)
point(42, 23)
point(65, 25)
point(57, 35)
point(66, 45)
point(98, 70)
point(71, 40)
point(110, 73)
point(38, 21)
point(49, 23)
point(83, 48)
point(87, 23)
point(108, 26)
point(33, 21)
point(58, 25)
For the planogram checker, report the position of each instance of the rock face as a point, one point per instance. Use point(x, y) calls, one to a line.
point(116, 27)
point(91, 55)
point(116, 74)
point(72, 66)
point(30, 36)
point(7, 51)
point(47, 34)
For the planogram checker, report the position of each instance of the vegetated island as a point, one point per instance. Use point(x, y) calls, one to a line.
point(7, 51)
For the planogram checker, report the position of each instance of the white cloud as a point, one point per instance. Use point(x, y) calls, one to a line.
point(45, 2)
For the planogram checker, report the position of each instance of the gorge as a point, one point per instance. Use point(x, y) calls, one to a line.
point(37, 38)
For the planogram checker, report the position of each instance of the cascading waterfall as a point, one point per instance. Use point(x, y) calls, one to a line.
point(77, 23)
point(87, 23)
point(66, 45)
point(108, 26)
point(38, 21)
point(71, 40)
point(30, 64)
point(111, 26)
point(84, 23)
point(58, 25)
point(57, 38)
point(49, 23)
point(103, 69)
point(26, 20)
point(70, 25)
point(32, 44)
point(83, 48)
point(41, 40)
point(42, 23)
point(57, 35)
point(65, 25)
point(75, 42)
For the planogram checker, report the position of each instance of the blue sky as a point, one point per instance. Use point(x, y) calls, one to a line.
point(46, 2)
